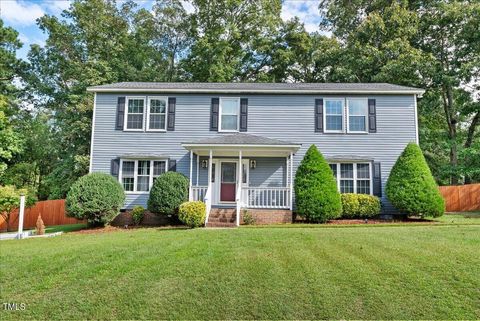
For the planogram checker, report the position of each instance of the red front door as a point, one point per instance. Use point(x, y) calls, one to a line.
point(228, 181)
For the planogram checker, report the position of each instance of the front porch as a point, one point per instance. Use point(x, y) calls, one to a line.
point(242, 172)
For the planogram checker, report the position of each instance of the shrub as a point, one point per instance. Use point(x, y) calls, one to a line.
point(248, 218)
point(137, 214)
point(10, 200)
point(39, 226)
point(192, 213)
point(360, 206)
point(168, 192)
point(316, 194)
point(411, 187)
point(95, 197)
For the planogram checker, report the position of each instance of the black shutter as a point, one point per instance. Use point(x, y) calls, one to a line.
point(115, 167)
point(377, 180)
point(243, 114)
point(171, 113)
point(120, 113)
point(319, 115)
point(214, 114)
point(372, 116)
point(172, 165)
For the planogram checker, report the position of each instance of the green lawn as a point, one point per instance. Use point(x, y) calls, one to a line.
point(410, 272)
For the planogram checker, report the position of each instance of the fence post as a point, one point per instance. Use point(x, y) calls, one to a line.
point(20, 216)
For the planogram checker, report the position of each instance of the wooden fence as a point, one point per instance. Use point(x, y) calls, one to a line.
point(52, 212)
point(461, 198)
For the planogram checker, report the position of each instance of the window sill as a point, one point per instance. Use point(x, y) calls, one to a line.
point(136, 193)
point(228, 131)
point(157, 130)
point(133, 130)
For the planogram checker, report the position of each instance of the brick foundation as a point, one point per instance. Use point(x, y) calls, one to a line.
point(268, 216)
point(149, 219)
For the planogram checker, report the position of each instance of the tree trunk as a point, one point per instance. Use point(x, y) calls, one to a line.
point(447, 95)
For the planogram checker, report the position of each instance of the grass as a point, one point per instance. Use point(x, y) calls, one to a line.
point(409, 272)
point(65, 228)
point(460, 218)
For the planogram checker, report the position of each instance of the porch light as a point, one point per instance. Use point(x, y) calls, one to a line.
point(253, 164)
point(204, 163)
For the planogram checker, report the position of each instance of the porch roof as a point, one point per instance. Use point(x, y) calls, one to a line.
point(224, 145)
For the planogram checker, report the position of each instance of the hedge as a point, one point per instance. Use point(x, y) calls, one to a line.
point(192, 214)
point(168, 191)
point(360, 206)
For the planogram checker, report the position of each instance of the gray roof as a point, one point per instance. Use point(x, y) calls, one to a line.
point(278, 88)
point(240, 139)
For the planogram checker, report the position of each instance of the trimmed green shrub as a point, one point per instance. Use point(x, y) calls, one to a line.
point(137, 214)
point(316, 193)
point(360, 205)
point(192, 213)
point(10, 200)
point(411, 187)
point(168, 192)
point(96, 197)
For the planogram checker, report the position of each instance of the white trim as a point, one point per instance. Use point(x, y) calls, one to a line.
point(259, 91)
point(416, 119)
point(220, 130)
point(325, 99)
point(92, 134)
point(354, 178)
point(347, 110)
point(135, 173)
point(149, 99)
point(209, 146)
point(125, 117)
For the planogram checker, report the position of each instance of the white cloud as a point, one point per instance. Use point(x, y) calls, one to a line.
point(187, 5)
point(20, 13)
point(306, 10)
point(56, 7)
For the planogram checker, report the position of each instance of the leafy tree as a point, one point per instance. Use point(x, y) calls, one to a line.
point(316, 193)
point(411, 187)
point(10, 200)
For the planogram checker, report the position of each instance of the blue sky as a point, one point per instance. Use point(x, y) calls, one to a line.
point(21, 15)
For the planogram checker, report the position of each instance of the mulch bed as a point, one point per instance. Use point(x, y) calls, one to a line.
point(378, 221)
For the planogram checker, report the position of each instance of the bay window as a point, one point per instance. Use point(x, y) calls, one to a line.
point(139, 175)
point(353, 177)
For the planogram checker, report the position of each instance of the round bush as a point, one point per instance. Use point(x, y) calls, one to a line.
point(137, 214)
point(192, 213)
point(360, 206)
point(95, 197)
point(168, 192)
point(316, 194)
point(411, 187)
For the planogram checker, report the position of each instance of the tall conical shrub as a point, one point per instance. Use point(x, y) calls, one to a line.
point(316, 193)
point(411, 187)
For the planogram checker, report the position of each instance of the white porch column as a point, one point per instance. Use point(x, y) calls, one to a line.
point(21, 215)
point(190, 191)
point(209, 179)
point(239, 187)
point(287, 170)
point(198, 167)
point(291, 181)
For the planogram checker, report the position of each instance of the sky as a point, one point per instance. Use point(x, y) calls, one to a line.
point(22, 15)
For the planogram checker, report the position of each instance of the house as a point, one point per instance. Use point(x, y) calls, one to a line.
point(240, 143)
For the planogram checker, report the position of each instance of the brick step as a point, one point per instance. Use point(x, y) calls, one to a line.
point(220, 224)
point(221, 219)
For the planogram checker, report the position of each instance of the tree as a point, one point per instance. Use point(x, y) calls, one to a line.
point(10, 200)
point(411, 187)
point(316, 193)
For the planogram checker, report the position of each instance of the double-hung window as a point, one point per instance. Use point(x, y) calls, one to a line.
point(139, 175)
point(357, 111)
point(134, 113)
point(229, 114)
point(157, 114)
point(333, 115)
point(353, 177)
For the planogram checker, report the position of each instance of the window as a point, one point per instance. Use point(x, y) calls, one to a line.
point(334, 115)
point(352, 177)
point(157, 114)
point(139, 175)
point(134, 111)
point(357, 115)
point(229, 114)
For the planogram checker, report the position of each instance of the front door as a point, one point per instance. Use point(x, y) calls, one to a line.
point(228, 181)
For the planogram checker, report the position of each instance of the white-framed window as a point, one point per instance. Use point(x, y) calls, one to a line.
point(353, 177)
point(357, 115)
point(137, 176)
point(229, 114)
point(134, 111)
point(333, 110)
point(157, 113)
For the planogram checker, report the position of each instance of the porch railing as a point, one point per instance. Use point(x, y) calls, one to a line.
point(266, 197)
point(199, 193)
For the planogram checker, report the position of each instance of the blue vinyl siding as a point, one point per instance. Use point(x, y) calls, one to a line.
point(284, 117)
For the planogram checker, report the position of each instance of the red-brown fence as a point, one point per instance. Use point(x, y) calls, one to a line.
point(461, 198)
point(52, 212)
